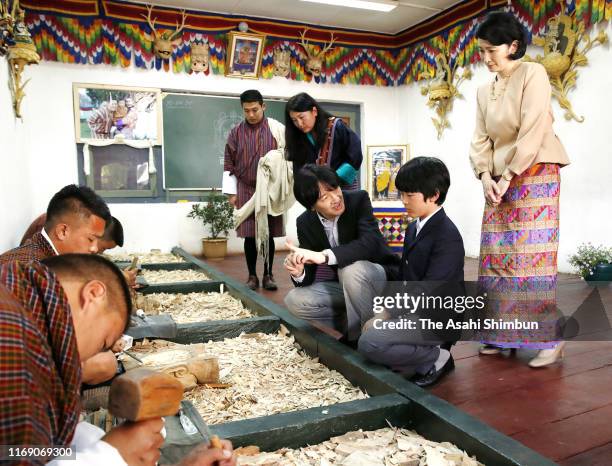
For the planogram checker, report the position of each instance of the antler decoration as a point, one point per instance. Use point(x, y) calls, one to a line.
point(443, 88)
point(21, 50)
point(163, 42)
point(314, 62)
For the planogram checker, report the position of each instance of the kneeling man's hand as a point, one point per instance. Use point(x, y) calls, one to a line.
point(306, 256)
point(292, 266)
point(138, 443)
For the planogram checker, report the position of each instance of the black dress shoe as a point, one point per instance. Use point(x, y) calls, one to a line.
point(268, 283)
point(433, 376)
point(253, 282)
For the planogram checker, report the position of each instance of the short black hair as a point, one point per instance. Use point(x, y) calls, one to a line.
point(503, 28)
point(87, 267)
point(425, 175)
point(80, 200)
point(252, 95)
point(306, 183)
point(114, 231)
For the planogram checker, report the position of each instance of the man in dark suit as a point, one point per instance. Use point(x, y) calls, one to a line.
point(343, 260)
point(432, 260)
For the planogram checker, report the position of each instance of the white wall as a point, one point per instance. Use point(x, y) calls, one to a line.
point(52, 153)
point(16, 205)
point(586, 194)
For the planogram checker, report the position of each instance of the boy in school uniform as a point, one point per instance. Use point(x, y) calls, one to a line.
point(433, 252)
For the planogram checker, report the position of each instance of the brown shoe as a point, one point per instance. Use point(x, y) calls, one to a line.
point(253, 282)
point(269, 283)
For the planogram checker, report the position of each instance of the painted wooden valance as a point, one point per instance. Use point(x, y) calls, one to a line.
point(115, 33)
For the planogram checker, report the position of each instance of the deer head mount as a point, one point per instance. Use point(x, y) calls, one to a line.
point(314, 63)
point(163, 42)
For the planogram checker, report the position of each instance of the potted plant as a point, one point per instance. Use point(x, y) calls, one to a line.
point(594, 263)
point(218, 214)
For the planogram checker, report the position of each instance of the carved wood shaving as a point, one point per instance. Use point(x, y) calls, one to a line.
point(269, 374)
point(382, 447)
point(152, 257)
point(193, 307)
point(173, 276)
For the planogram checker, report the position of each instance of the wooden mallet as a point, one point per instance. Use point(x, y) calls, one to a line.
point(142, 394)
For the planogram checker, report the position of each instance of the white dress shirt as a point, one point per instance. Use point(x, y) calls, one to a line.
point(90, 449)
point(421, 223)
point(46, 236)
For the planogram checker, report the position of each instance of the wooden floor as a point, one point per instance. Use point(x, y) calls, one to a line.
point(563, 411)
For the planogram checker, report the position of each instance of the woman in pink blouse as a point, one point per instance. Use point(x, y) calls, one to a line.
point(517, 156)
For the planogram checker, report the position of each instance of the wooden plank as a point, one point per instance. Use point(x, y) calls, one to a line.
point(315, 425)
point(218, 330)
point(184, 287)
point(562, 439)
point(548, 402)
point(483, 376)
point(599, 456)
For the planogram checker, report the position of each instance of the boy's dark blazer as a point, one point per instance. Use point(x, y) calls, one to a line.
point(436, 254)
point(358, 235)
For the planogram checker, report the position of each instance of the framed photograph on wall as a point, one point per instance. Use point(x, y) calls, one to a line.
point(383, 164)
point(244, 54)
point(117, 112)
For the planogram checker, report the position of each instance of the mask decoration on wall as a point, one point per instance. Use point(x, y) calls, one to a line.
point(562, 55)
point(442, 89)
point(315, 55)
point(164, 42)
point(21, 52)
point(282, 62)
point(200, 55)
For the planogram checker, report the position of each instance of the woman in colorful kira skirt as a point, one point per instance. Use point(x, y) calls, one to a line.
point(517, 157)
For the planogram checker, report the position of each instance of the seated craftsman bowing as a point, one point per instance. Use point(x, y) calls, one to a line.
point(342, 261)
point(53, 315)
point(75, 223)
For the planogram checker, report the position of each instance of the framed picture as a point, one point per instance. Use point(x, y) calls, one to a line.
point(244, 54)
point(117, 112)
point(383, 164)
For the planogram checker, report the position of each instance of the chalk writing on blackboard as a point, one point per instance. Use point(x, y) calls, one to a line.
point(179, 102)
point(223, 125)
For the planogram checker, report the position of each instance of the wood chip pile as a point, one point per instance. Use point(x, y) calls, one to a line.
point(266, 374)
point(383, 447)
point(193, 307)
point(173, 276)
point(146, 257)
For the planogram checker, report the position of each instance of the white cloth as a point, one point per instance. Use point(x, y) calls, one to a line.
point(229, 185)
point(137, 144)
point(273, 189)
point(421, 223)
point(90, 449)
point(46, 236)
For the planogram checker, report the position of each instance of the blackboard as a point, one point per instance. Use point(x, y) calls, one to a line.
point(195, 132)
